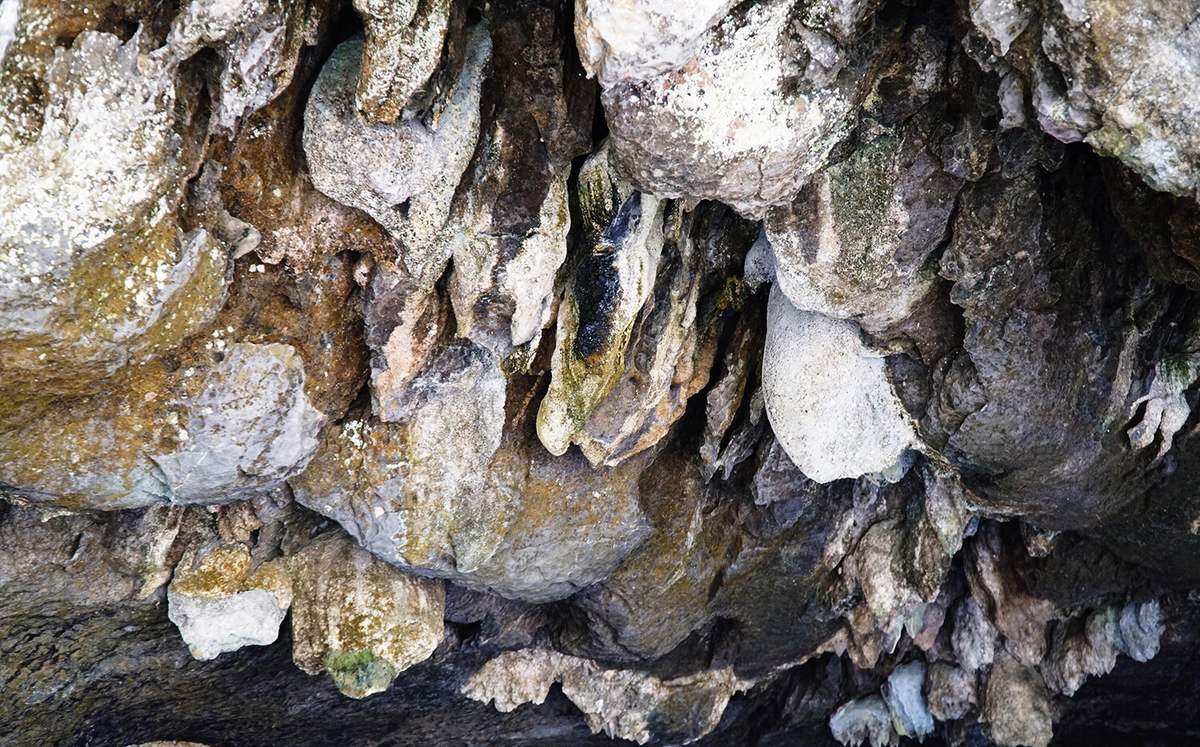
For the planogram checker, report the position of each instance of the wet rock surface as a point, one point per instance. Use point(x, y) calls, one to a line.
point(543, 372)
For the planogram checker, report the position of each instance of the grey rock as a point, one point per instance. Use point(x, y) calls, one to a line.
point(973, 637)
point(857, 242)
point(402, 50)
point(240, 427)
point(1090, 652)
point(406, 490)
point(667, 359)
point(1123, 80)
point(904, 693)
point(623, 704)
point(403, 174)
point(93, 265)
point(596, 317)
point(943, 470)
point(1005, 407)
point(1016, 706)
point(864, 721)
point(219, 606)
point(359, 619)
point(743, 120)
point(950, 691)
point(444, 490)
point(1141, 628)
point(249, 428)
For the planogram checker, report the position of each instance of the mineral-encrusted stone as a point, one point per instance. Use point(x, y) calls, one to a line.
point(403, 174)
point(1122, 78)
point(249, 428)
point(904, 693)
point(1016, 706)
point(359, 619)
point(610, 286)
point(1141, 628)
point(867, 721)
point(1011, 609)
point(448, 491)
point(856, 243)
point(94, 267)
point(486, 280)
point(622, 703)
point(747, 118)
point(417, 486)
point(950, 691)
point(668, 359)
point(623, 42)
point(509, 228)
point(221, 604)
point(973, 637)
point(1088, 652)
point(402, 50)
point(1024, 255)
point(364, 315)
point(190, 436)
point(828, 397)
point(899, 563)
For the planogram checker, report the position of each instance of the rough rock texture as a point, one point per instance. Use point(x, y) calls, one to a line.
point(219, 605)
point(537, 372)
point(753, 107)
point(828, 396)
point(358, 618)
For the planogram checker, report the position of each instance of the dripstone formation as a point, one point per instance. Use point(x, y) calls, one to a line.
point(439, 372)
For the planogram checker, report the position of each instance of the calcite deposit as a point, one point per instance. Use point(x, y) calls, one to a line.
point(586, 372)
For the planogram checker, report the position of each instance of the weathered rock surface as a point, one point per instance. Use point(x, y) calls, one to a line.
point(753, 107)
point(624, 704)
point(359, 619)
point(240, 427)
point(546, 372)
point(856, 243)
point(828, 397)
point(404, 173)
point(1123, 78)
point(219, 605)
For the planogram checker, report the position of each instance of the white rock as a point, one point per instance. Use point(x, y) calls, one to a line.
point(211, 627)
point(741, 121)
point(904, 694)
point(10, 13)
point(828, 397)
point(866, 720)
point(219, 605)
point(1002, 21)
point(631, 41)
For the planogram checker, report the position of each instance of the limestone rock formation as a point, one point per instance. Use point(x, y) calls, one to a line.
point(595, 372)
